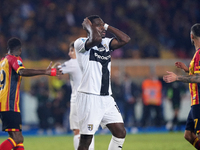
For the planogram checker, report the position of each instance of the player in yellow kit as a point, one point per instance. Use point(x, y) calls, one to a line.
point(192, 129)
point(11, 72)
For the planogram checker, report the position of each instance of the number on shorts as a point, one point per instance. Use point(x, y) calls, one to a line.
point(195, 125)
point(117, 108)
point(2, 79)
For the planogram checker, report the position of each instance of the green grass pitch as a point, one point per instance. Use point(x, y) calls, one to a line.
point(150, 141)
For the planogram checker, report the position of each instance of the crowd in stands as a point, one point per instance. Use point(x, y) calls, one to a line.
point(47, 26)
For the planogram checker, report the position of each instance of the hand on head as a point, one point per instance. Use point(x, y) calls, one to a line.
point(86, 24)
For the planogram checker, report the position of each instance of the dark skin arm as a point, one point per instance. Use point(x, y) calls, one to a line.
point(121, 38)
point(35, 72)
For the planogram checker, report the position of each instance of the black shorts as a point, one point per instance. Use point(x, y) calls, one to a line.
point(11, 121)
point(193, 120)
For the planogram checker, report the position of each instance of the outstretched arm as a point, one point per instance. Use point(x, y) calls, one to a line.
point(33, 72)
point(121, 38)
point(171, 77)
point(189, 78)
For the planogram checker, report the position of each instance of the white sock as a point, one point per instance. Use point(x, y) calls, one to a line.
point(116, 143)
point(91, 147)
point(76, 141)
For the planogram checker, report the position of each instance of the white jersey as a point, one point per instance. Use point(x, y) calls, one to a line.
point(95, 65)
point(72, 68)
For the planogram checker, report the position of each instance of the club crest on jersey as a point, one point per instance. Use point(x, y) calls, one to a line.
point(90, 127)
point(19, 62)
point(105, 46)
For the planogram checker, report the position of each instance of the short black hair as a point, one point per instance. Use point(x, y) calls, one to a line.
point(92, 17)
point(196, 29)
point(14, 44)
point(71, 44)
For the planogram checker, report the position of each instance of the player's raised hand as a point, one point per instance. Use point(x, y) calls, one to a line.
point(48, 70)
point(49, 67)
point(53, 71)
point(58, 71)
point(86, 24)
point(181, 65)
point(170, 77)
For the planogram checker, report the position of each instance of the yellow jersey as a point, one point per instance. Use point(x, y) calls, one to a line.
point(195, 87)
point(10, 83)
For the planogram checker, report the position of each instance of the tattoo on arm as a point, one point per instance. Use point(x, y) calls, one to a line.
point(189, 78)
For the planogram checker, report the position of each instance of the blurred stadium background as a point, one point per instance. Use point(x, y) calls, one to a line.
point(159, 31)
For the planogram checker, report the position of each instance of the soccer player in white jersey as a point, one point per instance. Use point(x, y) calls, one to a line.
point(72, 68)
point(95, 104)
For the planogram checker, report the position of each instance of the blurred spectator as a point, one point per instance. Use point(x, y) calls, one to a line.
point(56, 85)
point(66, 89)
point(58, 110)
point(176, 91)
point(131, 93)
point(61, 93)
point(152, 102)
point(117, 89)
point(69, 15)
point(150, 50)
point(41, 91)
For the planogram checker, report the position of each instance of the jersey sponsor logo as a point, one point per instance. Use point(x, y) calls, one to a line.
point(102, 57)
point(90, 127)
point(19, 62)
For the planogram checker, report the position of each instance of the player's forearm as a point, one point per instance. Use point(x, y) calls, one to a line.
point(121, 36)
point(189, 78)
point(32, 72)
